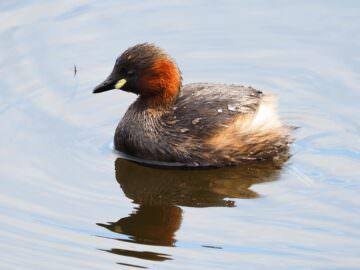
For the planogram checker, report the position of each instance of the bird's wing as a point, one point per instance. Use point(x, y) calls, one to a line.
point(203, 108)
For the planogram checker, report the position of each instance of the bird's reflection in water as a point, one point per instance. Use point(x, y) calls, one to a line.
point(149, 224)
point(159, 193)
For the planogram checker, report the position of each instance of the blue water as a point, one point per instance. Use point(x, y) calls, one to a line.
point(68, 202)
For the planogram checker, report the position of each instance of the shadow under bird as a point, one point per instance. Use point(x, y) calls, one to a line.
point(206, 124)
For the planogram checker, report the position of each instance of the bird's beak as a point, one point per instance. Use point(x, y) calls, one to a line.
point(109, 84)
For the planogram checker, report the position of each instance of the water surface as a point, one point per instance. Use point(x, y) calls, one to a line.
point(68, 201)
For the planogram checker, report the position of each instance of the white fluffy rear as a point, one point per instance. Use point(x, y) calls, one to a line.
point(258, 135)
point(266, 117)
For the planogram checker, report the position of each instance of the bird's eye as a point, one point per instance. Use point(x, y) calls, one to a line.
point(130, 72)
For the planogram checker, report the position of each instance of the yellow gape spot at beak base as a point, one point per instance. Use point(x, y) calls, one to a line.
point(120, 83)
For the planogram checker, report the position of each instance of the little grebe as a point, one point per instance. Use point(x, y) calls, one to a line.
point(196, 124)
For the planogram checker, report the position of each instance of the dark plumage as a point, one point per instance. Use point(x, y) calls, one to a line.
point(198, 124)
